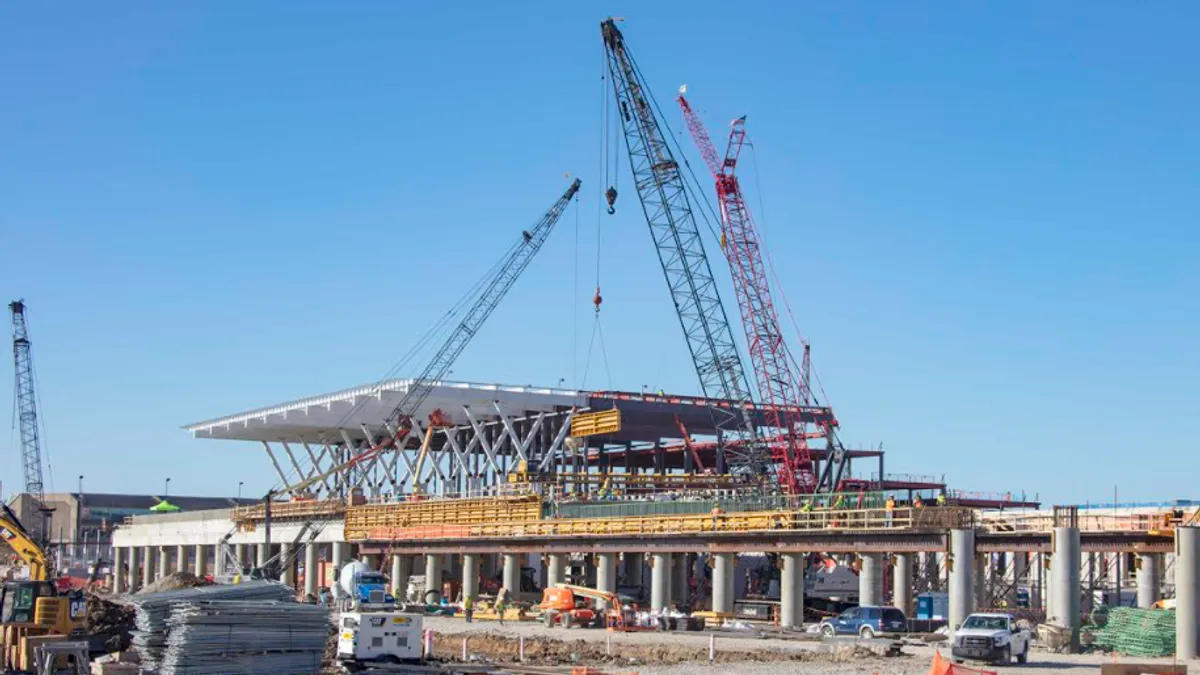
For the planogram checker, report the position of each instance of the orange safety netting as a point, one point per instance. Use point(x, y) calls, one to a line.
point(941, 666)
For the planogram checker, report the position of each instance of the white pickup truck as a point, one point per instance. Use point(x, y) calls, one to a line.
point(994, 638)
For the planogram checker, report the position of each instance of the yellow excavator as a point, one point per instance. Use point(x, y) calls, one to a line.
point(34, 607)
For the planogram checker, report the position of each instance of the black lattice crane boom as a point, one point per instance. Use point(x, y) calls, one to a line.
point(662, 192)
point(399, 423)
point(27, 415)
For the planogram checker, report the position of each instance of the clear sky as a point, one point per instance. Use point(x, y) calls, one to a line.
point(983, 214)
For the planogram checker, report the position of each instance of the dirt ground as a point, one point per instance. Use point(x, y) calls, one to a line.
point(687, 653)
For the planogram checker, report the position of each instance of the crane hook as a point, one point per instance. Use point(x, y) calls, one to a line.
point(611, 196)
point(596, 299)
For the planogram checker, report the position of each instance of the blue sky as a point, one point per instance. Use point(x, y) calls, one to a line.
point(983, 214)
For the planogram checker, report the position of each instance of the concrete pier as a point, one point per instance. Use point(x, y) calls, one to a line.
point(148, 565)
point(556, 569)
point(902, 583)
point(512, 573)
point(340, 556)
point(980, 578)
point(606, 572)
point(201, 568)
point(1149, 580)
point(791, 590)
point(135, 564)
point(401, 571)
point(243, 556)
point(724, 566)
point(312, 581)
point(120, 580)
point(679, 579)
point(287, 572)
point(164, 561)
point(1065, 571)
point(1187, 593)
point(470, 574)
point(870, 580)
point(660, 581)
point(1020, 575)
point(433, 578)
point(181, 558)
point(264, 552)
point(962, 576)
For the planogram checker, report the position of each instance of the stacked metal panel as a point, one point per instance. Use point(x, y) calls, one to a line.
point(245, 637)
point(153, 609)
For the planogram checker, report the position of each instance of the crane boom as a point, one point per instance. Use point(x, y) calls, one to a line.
point(663, 195)
point(399, 422)
point(778, 386)
point(27, 416)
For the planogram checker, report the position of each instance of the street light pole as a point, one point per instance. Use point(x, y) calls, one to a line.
point(240, 490)
point(167, 488)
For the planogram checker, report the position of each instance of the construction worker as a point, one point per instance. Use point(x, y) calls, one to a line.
point(917, 503)
point(469, 608)
point(941, 499)
point(890, 507)
point(501, 601)
point(716, 514)
point(840, 503)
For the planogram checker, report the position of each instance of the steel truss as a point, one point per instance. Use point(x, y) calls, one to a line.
point(465, 459)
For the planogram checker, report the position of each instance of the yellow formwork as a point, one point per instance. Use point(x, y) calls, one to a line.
point(749, 521)
point(596, 423)
point(304, 509)
point(409, 518)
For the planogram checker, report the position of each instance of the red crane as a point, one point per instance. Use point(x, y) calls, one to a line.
point(778, 387)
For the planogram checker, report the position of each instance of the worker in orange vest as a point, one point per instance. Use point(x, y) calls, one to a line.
point(890, 506)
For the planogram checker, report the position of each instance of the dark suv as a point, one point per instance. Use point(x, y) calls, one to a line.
point(865, 622)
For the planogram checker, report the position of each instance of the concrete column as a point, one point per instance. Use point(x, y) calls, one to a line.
point(556, 569)
point(679, 579)
point(791, 591)
point(201, 568)
point(401, 570)
point(164, 561)
point(433, 577)
point(1149, 580)
point(135, 563)
point(870, 580)
point(902, 583)
point(288, 573)
point(660, 581)
point(606, 572)
point(470, 575)
point(1187, 593)
point(962, 576)
point(312, 563)
point(341, 555)
point(148, 565)
point(181, 558)
point(724, 570)
point(1065, 571)
point(243, 555)
point(634, 564)
point(980, 576)
point(512, 573)
point(120, 580)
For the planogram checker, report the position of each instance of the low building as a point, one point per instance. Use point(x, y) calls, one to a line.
point(80, 525)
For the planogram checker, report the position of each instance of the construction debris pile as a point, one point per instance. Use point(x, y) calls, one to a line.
point(1138, 632)
point(249, 637)
point(153, 610)
point(110, 623)
point(173, 582)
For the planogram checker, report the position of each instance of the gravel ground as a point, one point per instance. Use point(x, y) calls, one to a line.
point(915, 661)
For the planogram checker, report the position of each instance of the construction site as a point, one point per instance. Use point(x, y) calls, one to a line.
point(422, 524)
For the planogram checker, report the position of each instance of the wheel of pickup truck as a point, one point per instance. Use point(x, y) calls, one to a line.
point(866, 633)
point(1023, 657)
point(827, 631)
point(1006, 655)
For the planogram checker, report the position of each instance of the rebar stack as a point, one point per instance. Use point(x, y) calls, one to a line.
point(153, 610)
point(246, 637)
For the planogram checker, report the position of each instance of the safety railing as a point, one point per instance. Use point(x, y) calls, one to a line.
point(1087, 522)
point(857, 520)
